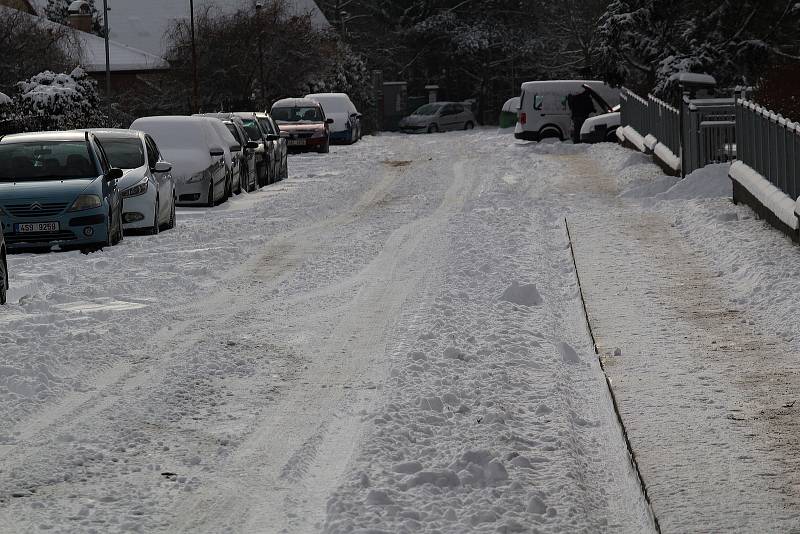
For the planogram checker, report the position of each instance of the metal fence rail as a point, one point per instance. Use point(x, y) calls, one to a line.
point(665, 124)
point(634, 111)
point(711, 133)
point(701, 132)
point(770, 145)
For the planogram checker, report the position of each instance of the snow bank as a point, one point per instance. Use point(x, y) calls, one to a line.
point(710, 181)
point(770, 196)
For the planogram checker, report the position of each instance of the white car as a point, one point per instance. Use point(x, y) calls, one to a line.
point(233, 153)
point(601, 128)
point(544, 110)
point(146, 187)
point(198, 159)
point(346, 127)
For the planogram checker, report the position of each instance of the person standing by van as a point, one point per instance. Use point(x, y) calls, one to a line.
point(582, 107)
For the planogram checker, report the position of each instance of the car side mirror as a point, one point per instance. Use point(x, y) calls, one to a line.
point(236, 148)
point(329, 121)
point(162, 167)
point(284, 135)
point(216, 152)
point(273, 137)
point(251, 145)
point(113, 174)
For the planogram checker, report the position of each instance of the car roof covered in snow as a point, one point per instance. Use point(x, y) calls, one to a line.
point(113, 132)
point(72, 135)
point(546, 84)
point(295, 103)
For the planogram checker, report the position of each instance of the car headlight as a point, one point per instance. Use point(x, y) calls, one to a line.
point(137, 190)
point(317, 135)
point(86, 202)
point(198, 177)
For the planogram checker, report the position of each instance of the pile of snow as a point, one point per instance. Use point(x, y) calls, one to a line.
point(5, 100)
point(709, 182)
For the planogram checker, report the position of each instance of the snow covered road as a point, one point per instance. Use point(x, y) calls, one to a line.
point(390, 340)
point(393, 340)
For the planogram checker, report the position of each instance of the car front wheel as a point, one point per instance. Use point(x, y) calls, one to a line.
point(433, 128)
point(154, 230)
point(3, 279)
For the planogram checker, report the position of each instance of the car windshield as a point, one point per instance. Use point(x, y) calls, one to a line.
point(125, 153)
point(428, 109)
point(297, 114)
point(234, 132)
point(265, 125)
point(332, 104)
point(252, 130)
point(45, 160)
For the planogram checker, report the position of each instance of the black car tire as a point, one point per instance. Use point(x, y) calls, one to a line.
point(3, 279)
point(433, 128)
point(156, 227)
point(118, 234)
point(469, 125)
point(210, 202)
point(285, 173)
point(326, 148)
point(171, 223)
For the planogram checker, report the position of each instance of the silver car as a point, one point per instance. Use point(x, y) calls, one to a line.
point(439, 117)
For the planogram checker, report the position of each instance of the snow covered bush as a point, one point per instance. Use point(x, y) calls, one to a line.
point(347, 73)
point(64, 101)
point(643, 42)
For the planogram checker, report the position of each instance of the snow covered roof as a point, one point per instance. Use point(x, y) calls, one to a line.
point(93, 48)
point(141, 24)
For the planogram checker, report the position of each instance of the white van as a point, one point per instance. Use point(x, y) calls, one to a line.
point(544, 109)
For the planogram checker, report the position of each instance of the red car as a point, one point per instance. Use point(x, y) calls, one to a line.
point(305, 122)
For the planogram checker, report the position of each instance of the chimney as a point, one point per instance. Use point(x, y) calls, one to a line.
point(80, 16)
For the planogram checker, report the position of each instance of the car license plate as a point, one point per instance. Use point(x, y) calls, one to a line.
point(27, 228)
point(297, 142)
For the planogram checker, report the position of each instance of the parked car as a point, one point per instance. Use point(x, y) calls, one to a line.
point(280, 150)
point(258, 135)
point(233, 154)
point(58, 190)
point(305, 122)
point(439, 117)
point(3, 270)
point(196, 154)
point(247, 176)
point(601, 128)
point(508, 114)
point(544, 109)
point(346, 126)
point(147, 187)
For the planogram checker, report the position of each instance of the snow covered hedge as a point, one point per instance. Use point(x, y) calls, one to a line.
point(54, 101)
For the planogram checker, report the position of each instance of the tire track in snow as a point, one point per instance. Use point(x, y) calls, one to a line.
point(254, 494)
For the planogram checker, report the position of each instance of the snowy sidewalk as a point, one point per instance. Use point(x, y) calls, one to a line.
point(704, 395)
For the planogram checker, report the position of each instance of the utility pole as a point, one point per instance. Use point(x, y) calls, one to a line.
point(195, 98)
point(108, 53)
point(259, 7)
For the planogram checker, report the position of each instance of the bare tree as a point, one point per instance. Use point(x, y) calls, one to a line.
point(29, 46)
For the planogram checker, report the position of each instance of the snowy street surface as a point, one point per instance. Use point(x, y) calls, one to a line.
point(393, 341)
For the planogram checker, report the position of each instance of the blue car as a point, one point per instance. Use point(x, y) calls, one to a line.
point(57, 190)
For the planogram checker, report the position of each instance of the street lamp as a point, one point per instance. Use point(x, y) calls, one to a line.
point(259, 7)
point(108, 53)
point(194, 62)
